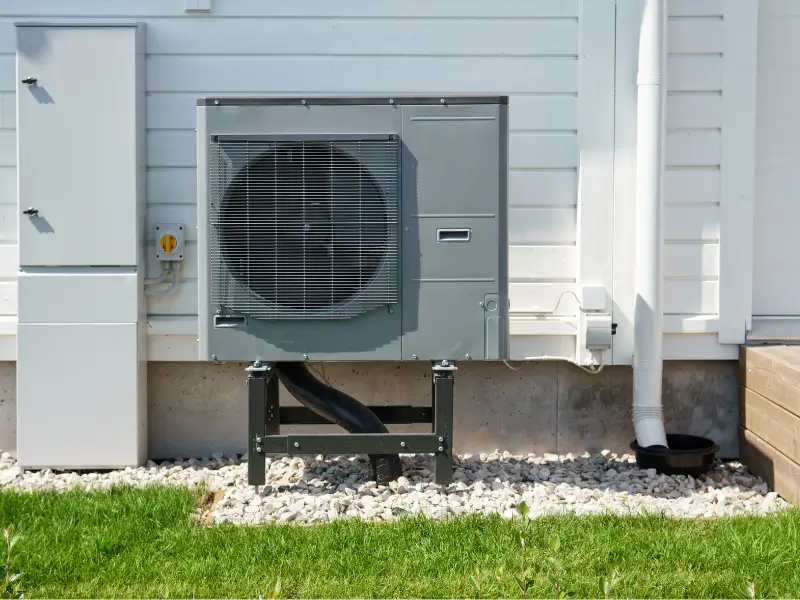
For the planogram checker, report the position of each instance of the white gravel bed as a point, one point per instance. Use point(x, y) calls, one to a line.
point(321, 489)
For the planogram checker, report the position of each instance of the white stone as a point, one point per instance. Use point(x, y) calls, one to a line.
point(321, 490)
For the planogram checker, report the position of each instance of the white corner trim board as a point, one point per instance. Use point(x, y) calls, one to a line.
point(738, 170)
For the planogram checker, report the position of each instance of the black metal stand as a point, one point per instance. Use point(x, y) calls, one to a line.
point(265, 416)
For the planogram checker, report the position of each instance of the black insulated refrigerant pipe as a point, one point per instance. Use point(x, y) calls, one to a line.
point(341, 409)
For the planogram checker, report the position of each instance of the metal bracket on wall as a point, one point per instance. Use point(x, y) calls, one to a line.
point(265, 416)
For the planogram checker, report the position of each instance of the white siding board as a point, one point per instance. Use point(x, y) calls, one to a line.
point(691, 324)
point(542, 187)
point(7, 36)
point(542, 262)
point(8, 223)
point(694, 147)
point(545, 326)
point(8, 148)
point(9, 261)
point(8, 110)
point(188, 266)
point(171, 111)
point(182, 301)
point(527, 298)
point(695, 8)
point(690, 297)
point(247, 73)
point(8, 185)
point(691, 222)
point(354, 36)
point(172, 213)
point(541, 225)
point(685, 185)
point(542, 150)
point(543, 113)
point(172, 186)
point(8, 73)
point(694, 72)
point(688, 35)
point(532, 346)
point(691, 259)
point(8, 298)
point(694, 110)
point(171, 148)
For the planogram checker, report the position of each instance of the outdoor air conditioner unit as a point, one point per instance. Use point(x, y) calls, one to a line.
point(352, 229)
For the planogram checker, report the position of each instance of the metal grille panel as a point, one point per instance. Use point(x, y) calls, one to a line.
point(303, 229)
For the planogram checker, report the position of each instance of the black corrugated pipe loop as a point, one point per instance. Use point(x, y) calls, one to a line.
point(341, 409)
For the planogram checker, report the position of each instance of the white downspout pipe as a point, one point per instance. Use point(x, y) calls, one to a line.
point(648, 414)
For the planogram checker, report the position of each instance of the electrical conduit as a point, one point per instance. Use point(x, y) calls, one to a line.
point(648, 414)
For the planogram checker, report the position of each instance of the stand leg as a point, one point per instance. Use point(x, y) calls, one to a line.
point(433, 399)
point(443, 381)
point(273, 422)
point(258, 380)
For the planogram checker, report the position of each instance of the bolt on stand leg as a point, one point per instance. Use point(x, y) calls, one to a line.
point(262, 419)
point(443, 381)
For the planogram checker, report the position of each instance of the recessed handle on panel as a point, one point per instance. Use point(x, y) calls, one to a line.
point(230, 321)
point(30, 211)
point(453, 235)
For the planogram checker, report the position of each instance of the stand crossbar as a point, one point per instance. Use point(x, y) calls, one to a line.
point(265, 416)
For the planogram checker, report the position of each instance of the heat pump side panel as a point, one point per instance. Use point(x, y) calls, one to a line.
point(455, 276)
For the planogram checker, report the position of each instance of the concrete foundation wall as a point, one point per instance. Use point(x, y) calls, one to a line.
point(196, 409)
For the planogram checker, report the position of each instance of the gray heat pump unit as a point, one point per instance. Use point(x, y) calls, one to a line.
point(353, 229)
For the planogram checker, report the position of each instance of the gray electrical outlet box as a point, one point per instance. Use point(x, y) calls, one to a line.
point(353, 228)
point(598, 331)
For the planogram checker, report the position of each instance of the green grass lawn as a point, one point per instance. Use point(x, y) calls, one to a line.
point(145, 543)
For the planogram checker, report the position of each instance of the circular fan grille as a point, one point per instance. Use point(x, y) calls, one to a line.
point(304, 225)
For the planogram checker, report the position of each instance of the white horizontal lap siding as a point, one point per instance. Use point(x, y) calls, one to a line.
point(693, 157)
point(707, 116)
point(528, 50)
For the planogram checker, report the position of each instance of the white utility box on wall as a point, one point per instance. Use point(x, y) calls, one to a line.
point(81, 342)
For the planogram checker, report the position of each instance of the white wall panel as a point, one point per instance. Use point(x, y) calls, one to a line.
point(529, 50)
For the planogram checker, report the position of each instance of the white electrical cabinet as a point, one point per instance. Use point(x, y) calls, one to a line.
point(81, 343)
point(75, 387)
